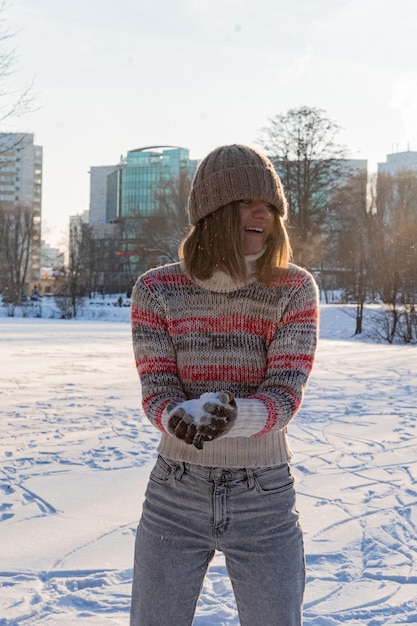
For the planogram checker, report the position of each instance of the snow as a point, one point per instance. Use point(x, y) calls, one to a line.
point(195, 407)
point(76, 452)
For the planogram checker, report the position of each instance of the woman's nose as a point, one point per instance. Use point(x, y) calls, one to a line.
point(261, 208)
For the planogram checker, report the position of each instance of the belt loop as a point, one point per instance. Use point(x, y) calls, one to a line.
point(251, 477)
point(180, 470)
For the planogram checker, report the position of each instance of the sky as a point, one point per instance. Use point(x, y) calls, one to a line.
point(109, 77)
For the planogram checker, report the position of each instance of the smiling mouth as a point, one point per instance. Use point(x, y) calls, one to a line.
point(254, 229)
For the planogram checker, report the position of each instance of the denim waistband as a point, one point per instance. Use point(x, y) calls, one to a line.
point(215, 473)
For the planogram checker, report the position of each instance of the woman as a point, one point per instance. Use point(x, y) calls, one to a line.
point(224, 343)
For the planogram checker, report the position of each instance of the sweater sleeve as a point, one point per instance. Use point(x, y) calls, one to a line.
point(155, 355)
point(289, 362)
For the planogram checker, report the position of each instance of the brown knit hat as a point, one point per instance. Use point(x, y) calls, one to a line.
point(231, 173)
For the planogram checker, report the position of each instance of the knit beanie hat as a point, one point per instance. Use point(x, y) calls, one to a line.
point(232, 173)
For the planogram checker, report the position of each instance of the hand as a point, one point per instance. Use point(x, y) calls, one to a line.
point(180, 423)
point(219, 417)
point(202, 419)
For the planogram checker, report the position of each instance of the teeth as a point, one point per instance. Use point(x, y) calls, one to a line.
point(255, 229)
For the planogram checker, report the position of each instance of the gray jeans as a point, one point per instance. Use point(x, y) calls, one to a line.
point(189, 512)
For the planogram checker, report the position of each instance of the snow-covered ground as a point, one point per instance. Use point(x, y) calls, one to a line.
point(76, 451)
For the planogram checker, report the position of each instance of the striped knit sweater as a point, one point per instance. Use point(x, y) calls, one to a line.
point(255, 340)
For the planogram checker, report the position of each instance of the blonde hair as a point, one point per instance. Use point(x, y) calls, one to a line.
point(214, 243)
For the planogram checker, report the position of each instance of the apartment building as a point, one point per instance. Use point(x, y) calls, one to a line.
point(21, 186)
point(399, 161)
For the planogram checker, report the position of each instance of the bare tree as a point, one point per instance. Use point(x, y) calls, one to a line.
point(112, 258)
point(16, 237)
point(12, 104)
point(17, 225)
point(71, 288)
point(395, 253)
point(171, 220)
point(135, 247)
point(103, 259)
point(347, 247)
point(302, 144)
point(147, 241)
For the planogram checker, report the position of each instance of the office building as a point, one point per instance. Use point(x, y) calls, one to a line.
point(129, 188)
point(399, 161)
point(21, 187)
point(101, 193)
point(397, 186)
point(126, 197)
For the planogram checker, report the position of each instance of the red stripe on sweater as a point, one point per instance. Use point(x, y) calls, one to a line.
point(158, 419)
point(158, 416)
point(159, 411)
point(222, 374)
point(222, 324)
point(142, 317)
point(272, 414)
point(152, 365)
point(300, 316)
point(289, 280)
point(167, 280)
point(291, 361)
point(272, 410)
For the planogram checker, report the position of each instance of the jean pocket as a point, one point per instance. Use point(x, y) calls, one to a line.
point(274, 480)
point(163, 471)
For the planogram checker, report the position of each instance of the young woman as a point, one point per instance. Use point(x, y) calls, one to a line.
point(224, 343)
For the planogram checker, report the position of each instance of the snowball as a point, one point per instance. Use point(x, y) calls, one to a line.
point(195, 407)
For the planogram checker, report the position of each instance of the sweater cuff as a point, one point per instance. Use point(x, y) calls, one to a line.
point(165, 415)
point(252, 417)
point(164, 421)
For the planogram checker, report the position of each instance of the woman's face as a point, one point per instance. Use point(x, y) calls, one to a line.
point(256, 222)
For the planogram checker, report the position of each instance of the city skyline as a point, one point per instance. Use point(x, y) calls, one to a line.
point(110, 79)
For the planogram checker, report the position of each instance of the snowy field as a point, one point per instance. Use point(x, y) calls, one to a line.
point(76, 451)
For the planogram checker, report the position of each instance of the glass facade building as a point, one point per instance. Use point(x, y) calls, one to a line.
point(132, 197)
point(144, 171)
point(129, 188)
